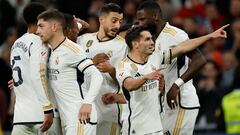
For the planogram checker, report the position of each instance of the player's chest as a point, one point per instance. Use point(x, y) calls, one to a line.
point(110, 48)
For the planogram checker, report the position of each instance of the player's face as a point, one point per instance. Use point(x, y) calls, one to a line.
point(145, 18)
point(146, 44)
point(111, 23)
point(72, 33)
point(44, 30)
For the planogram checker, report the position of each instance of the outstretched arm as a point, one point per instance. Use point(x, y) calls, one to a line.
point(192, 44)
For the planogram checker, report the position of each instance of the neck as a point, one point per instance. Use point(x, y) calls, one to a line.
point(138, 57)
point(160, 26)
point(56, 40)
point(32, 29)
point(102, 36)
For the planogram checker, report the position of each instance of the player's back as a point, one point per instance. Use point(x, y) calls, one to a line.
point(27, 106)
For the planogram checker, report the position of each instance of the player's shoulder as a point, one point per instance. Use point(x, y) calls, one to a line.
point(174, 31)
point(120, 39)
point(124, 62)
point(88, 35)
point(71, 47)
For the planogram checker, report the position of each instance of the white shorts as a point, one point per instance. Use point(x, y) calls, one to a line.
point(108, 128)
point(33, 129)
point(179, 121)
point(70, 122)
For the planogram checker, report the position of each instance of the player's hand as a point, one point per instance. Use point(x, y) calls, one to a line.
point(47, 123)
point(85, 113)
point(109, 98)
point(10, 84)
point(105, 67)
point(172, 96)
point(219, 33)
point(84, 24)
point(99, 58)
point(161, 84)
point(155, 75)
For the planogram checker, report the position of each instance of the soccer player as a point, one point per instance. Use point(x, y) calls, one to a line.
point(106, 47)
point(177, 75)
point(138, 74)
point(66, 61)
point(33, 112)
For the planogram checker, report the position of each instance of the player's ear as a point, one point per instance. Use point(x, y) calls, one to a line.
point(54, 26)
point(135, 44)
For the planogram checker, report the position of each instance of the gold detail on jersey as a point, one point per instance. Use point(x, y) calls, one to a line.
point(134, 67)
point(89, 43)
point(43, 79)
point(48, 107)
point(179, 121)
point(80, 129)
point(170, 31)
point(72, 47)
point(120, 38)
point(120, 64)
point(113, 129)
point(168, 56)
point(110, 53)
point(125, 59)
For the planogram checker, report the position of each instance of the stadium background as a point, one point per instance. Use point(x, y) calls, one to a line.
point(196, 17)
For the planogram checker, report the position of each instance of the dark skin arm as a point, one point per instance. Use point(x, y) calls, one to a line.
point(198, 61)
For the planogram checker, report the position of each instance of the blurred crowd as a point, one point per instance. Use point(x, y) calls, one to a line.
point(196, 17)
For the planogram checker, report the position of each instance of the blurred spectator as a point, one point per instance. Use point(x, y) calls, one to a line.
point(235, 28)
point(190, 26)
point(234, 8)
point(231, 107)
point(213, 16)
point(129, 10)
point(209, 98)
point(230, 66)
point(95, 6)
point(94, 24)
point(10, 39)
point(191, 8)
point(168, 8)
point(7, 18)
point(18, 5)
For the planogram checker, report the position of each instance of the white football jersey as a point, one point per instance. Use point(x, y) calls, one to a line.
point(66, 62)
point(116, 49)
point(143, 103)
point(168, 38)
point(28, 62)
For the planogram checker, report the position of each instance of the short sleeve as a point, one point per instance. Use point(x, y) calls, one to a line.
point(122, 72)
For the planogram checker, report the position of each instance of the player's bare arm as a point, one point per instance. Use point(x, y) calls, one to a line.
point(192, 44)
point(111, 98)
point(132, 84)
point(197, 62)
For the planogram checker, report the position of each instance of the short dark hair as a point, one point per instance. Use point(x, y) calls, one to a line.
point(110, 7)
point(134, 33)
point(53, 14)
point(31, 12)
point(151, 6)
point(69, 20)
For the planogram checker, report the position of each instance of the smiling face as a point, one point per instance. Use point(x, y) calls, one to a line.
point(44, 30)
point(110, 23)
point(145, 43)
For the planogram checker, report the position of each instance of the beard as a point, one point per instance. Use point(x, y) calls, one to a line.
point(109, 31)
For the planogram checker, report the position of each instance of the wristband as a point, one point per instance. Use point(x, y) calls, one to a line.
point(179, 82)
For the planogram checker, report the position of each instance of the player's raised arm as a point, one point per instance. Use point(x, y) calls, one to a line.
point(191, 44)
